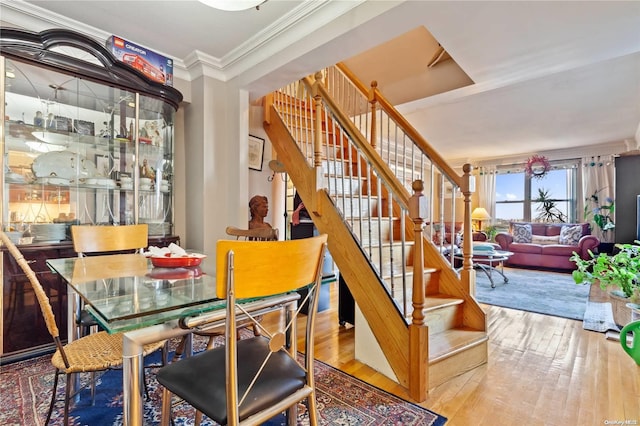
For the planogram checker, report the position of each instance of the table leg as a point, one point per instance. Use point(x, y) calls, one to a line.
point(488, 270)
point(132, 377)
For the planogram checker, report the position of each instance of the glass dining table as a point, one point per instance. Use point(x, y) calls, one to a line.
point(127, 295)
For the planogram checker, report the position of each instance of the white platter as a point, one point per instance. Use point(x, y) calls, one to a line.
point(63, 164)
point(52, 181)
point(14, 178)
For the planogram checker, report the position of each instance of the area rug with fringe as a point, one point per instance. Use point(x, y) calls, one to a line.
point(550, 293)
point(25, 389)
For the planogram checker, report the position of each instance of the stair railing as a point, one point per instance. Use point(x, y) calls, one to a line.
point(362, 187)
point(379, 175)
point(407, 153)
point(374, 203)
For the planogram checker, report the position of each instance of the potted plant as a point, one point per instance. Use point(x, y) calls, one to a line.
point(491, 232)
point(618, 273)
point(547, 209)
point(599, 214)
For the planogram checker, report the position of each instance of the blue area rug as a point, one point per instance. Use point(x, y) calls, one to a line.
point(342, 400)
point(550, 293)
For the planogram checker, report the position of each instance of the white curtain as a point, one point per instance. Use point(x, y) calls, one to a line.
point(487, 190)
point(598, 177)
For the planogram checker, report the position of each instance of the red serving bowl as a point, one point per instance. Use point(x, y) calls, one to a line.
point(176, 262)
point(175, 273)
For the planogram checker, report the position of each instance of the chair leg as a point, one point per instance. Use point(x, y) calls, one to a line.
point(179, 349)
point(210, 342)
point(313, 409)
point(93, 388)
point(292, 415)
point(53, 396)
point(67, 398)
point(198, 418)
point(166, 407)
point(165, 353)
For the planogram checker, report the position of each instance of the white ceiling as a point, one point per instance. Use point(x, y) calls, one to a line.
point(545, 76)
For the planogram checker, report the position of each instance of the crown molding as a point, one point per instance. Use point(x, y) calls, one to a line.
point(249, 54)
point(610, 148)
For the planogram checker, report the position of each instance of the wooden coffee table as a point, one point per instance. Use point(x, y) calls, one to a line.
point(487, 262)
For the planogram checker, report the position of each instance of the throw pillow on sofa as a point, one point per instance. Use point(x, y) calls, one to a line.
point(521, 233)
point(544, 240)
point(570, 235)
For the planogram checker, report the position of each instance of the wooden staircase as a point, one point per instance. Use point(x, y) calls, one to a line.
point(427, 336)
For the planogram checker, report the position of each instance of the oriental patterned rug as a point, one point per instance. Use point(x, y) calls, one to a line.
point(25, 389)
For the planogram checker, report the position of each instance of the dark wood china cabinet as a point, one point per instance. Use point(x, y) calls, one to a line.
point(86, 139)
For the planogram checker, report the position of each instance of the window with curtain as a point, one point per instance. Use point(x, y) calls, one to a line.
point(517, 194)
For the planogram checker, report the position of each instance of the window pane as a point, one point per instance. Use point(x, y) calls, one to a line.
point(554, 182)
point(516, 194)
point(510, 187)
point(507, 212)
point(557, 213)
point(509, 198)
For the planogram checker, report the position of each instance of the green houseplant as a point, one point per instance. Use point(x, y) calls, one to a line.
point(547, 209)
point(600, 213)
point(621, 269)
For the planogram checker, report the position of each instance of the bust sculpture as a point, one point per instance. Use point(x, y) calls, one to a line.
point(259, 207)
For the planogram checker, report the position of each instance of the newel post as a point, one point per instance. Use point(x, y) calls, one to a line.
point(374, 105)
point(418, 213)
point(418, 330)
point(317, 141)
point(467, 274)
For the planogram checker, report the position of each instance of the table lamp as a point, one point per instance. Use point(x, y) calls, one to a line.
point(480, 214)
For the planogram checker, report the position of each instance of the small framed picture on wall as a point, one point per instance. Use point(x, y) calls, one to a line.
point(256, 152)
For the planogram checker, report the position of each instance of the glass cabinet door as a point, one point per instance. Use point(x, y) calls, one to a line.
point(155, 165)
point(81, 152)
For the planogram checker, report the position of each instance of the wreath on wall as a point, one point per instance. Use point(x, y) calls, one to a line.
point(537, 166)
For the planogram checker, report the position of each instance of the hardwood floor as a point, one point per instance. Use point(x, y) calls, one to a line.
point(542, 370)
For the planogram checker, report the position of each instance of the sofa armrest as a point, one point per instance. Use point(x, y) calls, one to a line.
point(586, 243)
point(504, 239)
point(479, 236)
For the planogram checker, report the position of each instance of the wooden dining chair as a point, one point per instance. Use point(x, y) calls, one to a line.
point(103, 239)
point(248, 381)
point(93, 239)
point(89, 354)
point(255, 234)
point(258, 234)
point(108, 238)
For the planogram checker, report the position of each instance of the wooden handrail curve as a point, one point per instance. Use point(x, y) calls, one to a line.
point(414, 135)
point(358, 139)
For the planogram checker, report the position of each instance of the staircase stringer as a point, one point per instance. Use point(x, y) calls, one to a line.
point(388, 326)
point(462, 285)
point(287, 146)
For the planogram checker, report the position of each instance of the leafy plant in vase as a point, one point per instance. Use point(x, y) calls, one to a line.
point(547, 209)
point(618, 273)
point(600, 214)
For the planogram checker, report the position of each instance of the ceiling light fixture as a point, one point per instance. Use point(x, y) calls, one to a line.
point(233, 5)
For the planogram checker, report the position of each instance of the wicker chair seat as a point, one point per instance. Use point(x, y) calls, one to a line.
point(95, 352)
point(92, 353)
